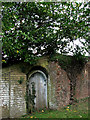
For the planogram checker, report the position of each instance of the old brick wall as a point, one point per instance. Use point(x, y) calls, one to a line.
point(12, 92)
point(82, 83)
point(59, 86)
point(0, 109)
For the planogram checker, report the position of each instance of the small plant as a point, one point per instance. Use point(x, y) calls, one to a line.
point(76, 111)
point(30, 98)
point(21, 80)
point(33, 96)
point(76, 100)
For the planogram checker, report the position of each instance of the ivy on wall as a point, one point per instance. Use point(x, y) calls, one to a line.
point(69, 61)
point(20, 81)
point(73, 65)
point(30, 98)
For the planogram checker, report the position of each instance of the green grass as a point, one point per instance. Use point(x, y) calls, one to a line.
point(78, 110)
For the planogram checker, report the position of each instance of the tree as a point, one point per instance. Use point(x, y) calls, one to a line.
point(32, 29)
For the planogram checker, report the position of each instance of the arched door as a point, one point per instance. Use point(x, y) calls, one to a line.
point(38, 86)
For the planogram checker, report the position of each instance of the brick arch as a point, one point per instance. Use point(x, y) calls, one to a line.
point(34, 68)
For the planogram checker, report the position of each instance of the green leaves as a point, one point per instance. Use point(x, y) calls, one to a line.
point(42, 25)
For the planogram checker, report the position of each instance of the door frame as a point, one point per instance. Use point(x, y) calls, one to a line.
point(46, 78)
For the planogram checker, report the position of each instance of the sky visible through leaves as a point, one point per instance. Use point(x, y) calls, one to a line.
point(32, 29)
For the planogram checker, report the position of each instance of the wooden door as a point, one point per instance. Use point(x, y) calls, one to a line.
point(39, 81)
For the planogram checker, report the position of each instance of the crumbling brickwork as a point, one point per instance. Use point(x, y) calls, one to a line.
point(13, 87)
point(13, 93)
point(60, 86)
point(82, 81)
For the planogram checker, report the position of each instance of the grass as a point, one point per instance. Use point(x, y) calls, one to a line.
point(77, 110)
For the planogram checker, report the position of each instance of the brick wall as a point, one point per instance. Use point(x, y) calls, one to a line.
point(82, 81)
point(59, 86)
point(0, 109)
point(12, 93)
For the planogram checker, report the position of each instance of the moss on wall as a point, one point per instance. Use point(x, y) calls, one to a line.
point(43, 62)
point(73, 65)
point(61, 71)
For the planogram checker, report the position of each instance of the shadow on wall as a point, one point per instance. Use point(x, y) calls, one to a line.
point(38, 68)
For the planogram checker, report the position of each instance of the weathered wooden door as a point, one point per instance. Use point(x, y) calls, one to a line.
point(39, 81)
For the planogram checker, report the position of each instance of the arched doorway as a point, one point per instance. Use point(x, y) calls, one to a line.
point(38, 89)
